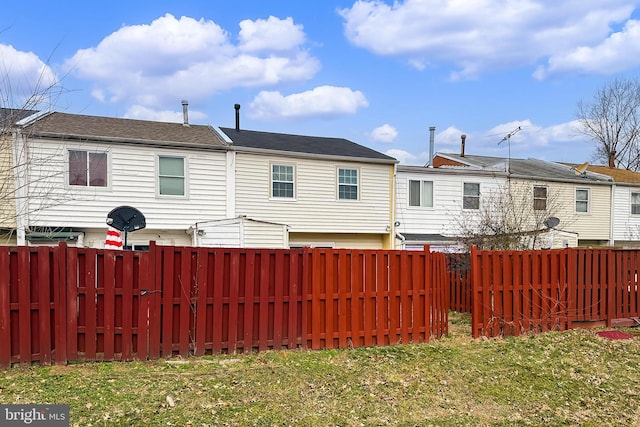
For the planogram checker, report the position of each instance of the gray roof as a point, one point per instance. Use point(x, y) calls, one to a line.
point(528, 168)
point(111, 129)
point(314, 145)
point(9, 116)
point(427, 238)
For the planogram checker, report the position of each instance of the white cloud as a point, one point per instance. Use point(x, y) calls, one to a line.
point(618, 53)
point(143, 113)
point(270, 35)
point(384, 133)
point(325, 101)
point(25, 80)
point(406, 158)
point(172, 59)
point(484, 35)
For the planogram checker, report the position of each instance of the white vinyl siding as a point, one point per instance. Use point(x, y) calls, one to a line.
point(133, 182)
point(635, 203)
point(317, 208)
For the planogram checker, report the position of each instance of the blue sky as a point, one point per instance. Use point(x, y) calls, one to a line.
point(379, 73)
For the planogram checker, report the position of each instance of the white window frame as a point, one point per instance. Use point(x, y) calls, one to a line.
point(546, 198)
point(293, 181)
point(421, 203)
point(185, 181)
point(632, 192)
point(465, 196)
point(357, 184)
point(88, 185)
point(588, 201)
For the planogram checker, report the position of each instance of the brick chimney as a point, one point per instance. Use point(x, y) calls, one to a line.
point(463, 137)
point(612, 159)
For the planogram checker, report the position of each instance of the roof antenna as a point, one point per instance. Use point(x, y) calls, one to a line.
point(508, 139)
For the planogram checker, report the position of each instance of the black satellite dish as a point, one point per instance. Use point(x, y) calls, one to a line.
point(551, 222)
point(127, 219)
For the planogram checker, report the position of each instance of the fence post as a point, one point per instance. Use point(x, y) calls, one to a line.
point(5, 309)
point(474, 269)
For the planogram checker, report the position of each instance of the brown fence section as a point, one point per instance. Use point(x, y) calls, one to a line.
point(59, 303)
point(522, 291)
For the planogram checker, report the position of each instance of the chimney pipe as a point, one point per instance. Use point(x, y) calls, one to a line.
point(612, 159)
point(237, 107)
point(463, 137)
point(185, 113)
point(432, 131)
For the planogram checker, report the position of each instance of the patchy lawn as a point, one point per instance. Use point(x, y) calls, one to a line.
point(555, 378)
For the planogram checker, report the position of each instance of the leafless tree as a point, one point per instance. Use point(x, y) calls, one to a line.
point(510, 218)
point(611, 120)
point(18, 184)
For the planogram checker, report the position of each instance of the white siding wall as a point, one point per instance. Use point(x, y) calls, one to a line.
point(316, 207)
point(243, 233)
point(132, 177)
point(626, 227)
point(443, 217)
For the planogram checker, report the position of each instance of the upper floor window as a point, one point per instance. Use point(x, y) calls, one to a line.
point(635, 203)
point(347, 184)
point(421, 193)
point(471, 196)
point(539, 198)
point(282, 184)
point(171, 176)
point(87, 168)
point(582, 200)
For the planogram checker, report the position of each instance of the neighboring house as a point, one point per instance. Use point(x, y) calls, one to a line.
point(433, 202)
point(8, 119)
point(198, 184)
point(331, 192)
point(625, 204)
point(580, 200)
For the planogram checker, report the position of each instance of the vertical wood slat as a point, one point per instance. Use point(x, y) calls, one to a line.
point(127, 305)
point(89, 285)
point(167, 280)
point(24, 306)
point(280, 265)
point(44, 304)
point(201, 301)
point(185, 307)
point(218, 288)
point(109, 283)
point(233, 301)
point(249, 298)
point(345, 295)
point(60, 303)
point(295, 300)
point(263, 305)
point(5, 309)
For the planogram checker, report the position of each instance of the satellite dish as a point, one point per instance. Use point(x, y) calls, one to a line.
point(127, 219)
point(551, 222)
point(579, 170)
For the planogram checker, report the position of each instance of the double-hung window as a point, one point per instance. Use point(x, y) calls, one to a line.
point(471, 195)
point(347, 184)
point(87, 169)
point(582, 200)
point(171, 176)
point(539, 198)
point(635, 203)
point(282, 181)
point(421, 193)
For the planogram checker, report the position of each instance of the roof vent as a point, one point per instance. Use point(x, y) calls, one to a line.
point(237, 107)
point(185, 113)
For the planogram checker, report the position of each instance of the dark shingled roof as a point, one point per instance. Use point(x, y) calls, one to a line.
point(76, 126)
point(303, 144)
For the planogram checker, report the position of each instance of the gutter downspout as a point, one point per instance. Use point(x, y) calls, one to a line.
point(612, 215)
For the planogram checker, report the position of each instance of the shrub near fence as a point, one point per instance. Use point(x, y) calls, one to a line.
point(516, 292)
point(62, 303)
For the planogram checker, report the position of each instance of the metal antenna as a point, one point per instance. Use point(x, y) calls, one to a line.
point(508, 139)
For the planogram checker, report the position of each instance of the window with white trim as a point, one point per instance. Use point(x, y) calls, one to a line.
point(635, 203)
point(421, 193)
point(471, 195)
point(87, 169)
point(582, 200)
point(282, 181)
point(347, 184)
point(540, 198)
point(171, 176)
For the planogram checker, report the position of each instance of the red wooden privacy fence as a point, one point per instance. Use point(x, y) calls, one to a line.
point(522, 291)
point(61, 303)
